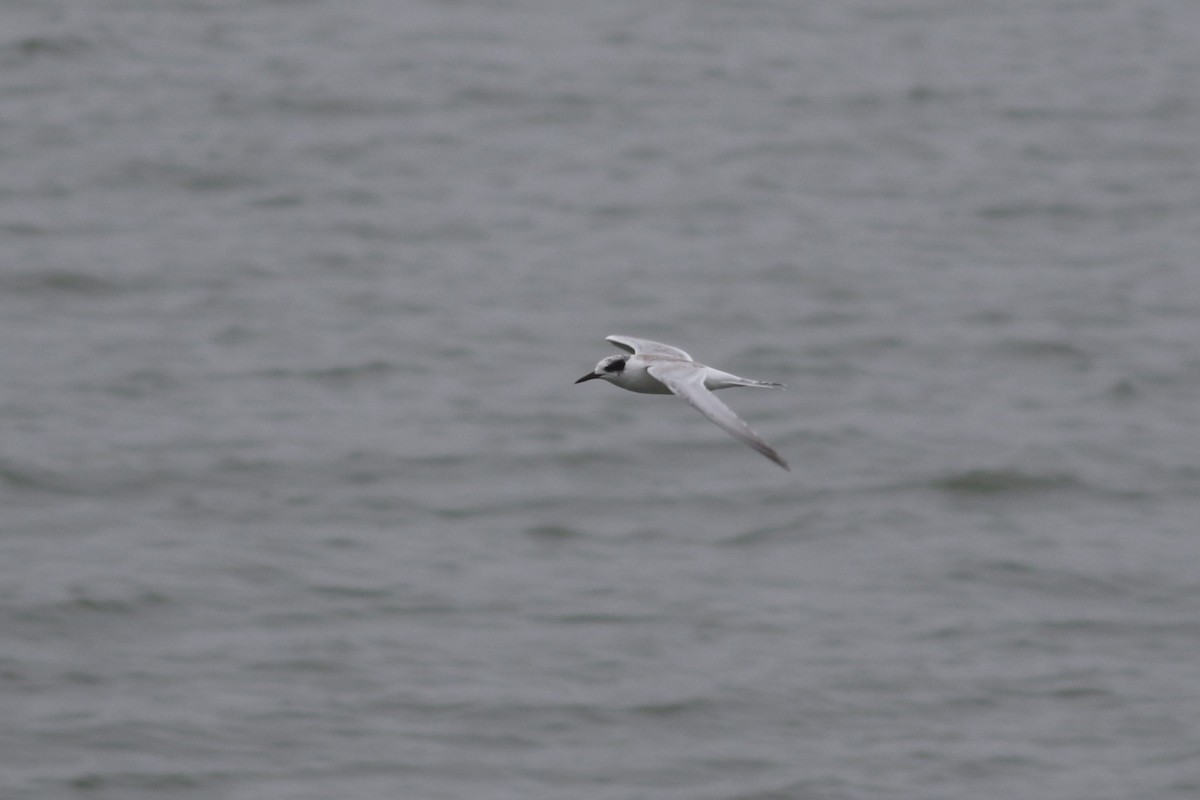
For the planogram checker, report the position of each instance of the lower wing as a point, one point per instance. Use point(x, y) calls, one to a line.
point(687, 382)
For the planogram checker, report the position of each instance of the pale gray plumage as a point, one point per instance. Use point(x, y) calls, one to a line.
point(655, 368)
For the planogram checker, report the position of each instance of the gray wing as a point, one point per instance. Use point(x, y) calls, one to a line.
point(687, 381)
point(640, 346)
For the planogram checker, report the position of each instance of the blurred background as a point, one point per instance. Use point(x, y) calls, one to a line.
point(299, 500)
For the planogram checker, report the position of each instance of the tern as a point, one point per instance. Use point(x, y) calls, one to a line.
point(655, 368)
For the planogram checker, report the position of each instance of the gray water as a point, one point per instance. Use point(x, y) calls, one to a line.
point(299, 500)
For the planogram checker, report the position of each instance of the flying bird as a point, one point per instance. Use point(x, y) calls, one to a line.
point(655, 368)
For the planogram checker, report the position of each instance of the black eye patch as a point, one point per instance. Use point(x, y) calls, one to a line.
point(616, 366)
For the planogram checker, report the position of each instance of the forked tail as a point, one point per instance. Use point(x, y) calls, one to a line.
point(723, 380)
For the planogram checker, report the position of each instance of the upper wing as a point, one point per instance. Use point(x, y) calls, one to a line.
point(640, 346)
point(687, 381)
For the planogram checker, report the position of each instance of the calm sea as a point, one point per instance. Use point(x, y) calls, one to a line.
point(298, 500)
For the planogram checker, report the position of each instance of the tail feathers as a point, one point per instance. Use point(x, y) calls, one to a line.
point(725, 380)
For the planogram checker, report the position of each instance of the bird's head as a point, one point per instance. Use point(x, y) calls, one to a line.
point(609, 369)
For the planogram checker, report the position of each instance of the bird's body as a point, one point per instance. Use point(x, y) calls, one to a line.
point(654, 368)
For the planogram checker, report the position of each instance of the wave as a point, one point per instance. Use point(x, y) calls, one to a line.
point(25, 478)
point(1004, 481)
